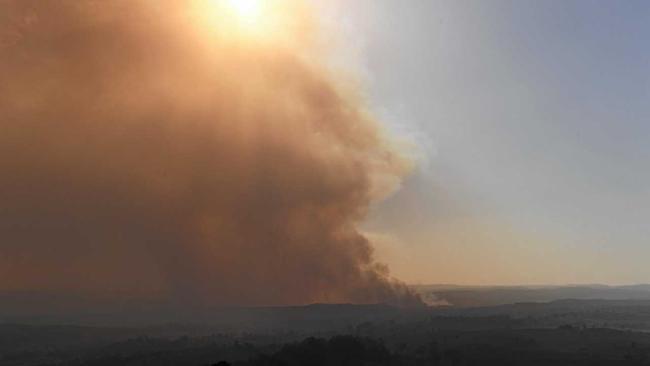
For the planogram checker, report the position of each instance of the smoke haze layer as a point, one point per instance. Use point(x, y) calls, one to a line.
point(142, 153)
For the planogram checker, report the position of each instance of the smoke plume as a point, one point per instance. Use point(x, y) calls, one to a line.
point(143, 153)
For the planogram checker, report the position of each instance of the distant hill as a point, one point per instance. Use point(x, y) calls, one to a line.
point(467, 296)
point(56, 309)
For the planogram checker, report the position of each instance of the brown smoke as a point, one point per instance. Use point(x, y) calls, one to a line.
point(139, 154)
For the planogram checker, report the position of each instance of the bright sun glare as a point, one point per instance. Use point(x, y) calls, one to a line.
point(258, 20)
point(247, 11)
point(243, 17)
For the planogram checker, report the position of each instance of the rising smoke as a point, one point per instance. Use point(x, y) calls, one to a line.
point(141, 154)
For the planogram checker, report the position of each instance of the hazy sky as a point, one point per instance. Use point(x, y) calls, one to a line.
point(212, 149)
point(531, 120)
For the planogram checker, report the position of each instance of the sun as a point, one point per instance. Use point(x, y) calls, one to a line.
point(248, 12)
point(242, 17)
point(250, 21)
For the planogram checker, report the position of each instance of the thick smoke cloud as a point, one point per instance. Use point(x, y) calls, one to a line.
point(142, 155)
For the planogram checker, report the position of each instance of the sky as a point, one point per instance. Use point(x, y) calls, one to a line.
point(219, 152)
point(530, 126)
